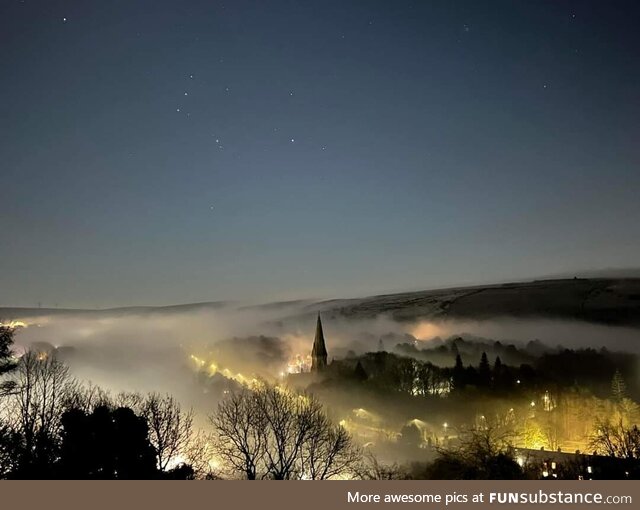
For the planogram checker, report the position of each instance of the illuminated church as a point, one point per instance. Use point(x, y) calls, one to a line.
point(319, 350)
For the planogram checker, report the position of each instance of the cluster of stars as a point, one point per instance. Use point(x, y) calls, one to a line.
point(186, 93)
point(227, 89)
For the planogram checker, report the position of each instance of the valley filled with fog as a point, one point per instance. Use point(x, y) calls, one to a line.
point(403, 385)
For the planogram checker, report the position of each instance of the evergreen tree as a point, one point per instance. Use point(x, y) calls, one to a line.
point(484, 370)
point(497, 366)
point(359, 373)
point(7, 364)
point(459, 378)
point(498, 373)
point(6, 341)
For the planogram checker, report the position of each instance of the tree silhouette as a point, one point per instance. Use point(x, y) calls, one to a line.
point(497, 368)
point(106, 444)
point(459, 376)
point(42, 385)
point(484, 371)
point(170, 427)
point(359, 372)
point(6, 361)
point(239, 424)
point(271, 432)
point(480, 454)
point(617, 440)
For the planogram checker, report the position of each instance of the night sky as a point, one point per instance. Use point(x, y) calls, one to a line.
point(157, 152)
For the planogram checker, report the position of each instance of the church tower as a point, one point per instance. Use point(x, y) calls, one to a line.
point(319, 351)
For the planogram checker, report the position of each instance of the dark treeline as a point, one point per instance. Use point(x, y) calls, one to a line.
point(491, 367)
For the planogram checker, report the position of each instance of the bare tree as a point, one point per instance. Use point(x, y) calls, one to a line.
point(370, 468)
point(616, 440)
point(478, 445)
point(328, 451)
point(200, 453)
point(289, 421)
point(131, 399)
point(484, 452)
point(170, 428)
point(34, 408)
point(271, 432)
point(239, 425)
point(88, 397)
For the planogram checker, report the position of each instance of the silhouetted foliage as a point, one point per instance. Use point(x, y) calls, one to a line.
point(7, 364)
point(370, 468)
point(170, 427)
point(42, 385)
point(359, 373)
point(484, 371)
point(497, 368)
point(106, 444)
point(617, 440)
point(481, 454)
point(459, 377)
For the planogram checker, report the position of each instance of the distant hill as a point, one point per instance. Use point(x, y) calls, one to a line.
point(8, 313)
point(613, 301)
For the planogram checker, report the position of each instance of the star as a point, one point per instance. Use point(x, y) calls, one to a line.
point(293, 140)
point(191, 76)
point(64, 20)
point(177, 109)
point(186, 94)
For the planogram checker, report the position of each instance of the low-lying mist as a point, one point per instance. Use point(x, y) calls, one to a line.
point(154, 351)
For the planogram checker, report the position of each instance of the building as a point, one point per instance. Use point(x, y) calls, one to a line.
point(319, 351)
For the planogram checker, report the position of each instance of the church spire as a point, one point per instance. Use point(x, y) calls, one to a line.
point(319, 351)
